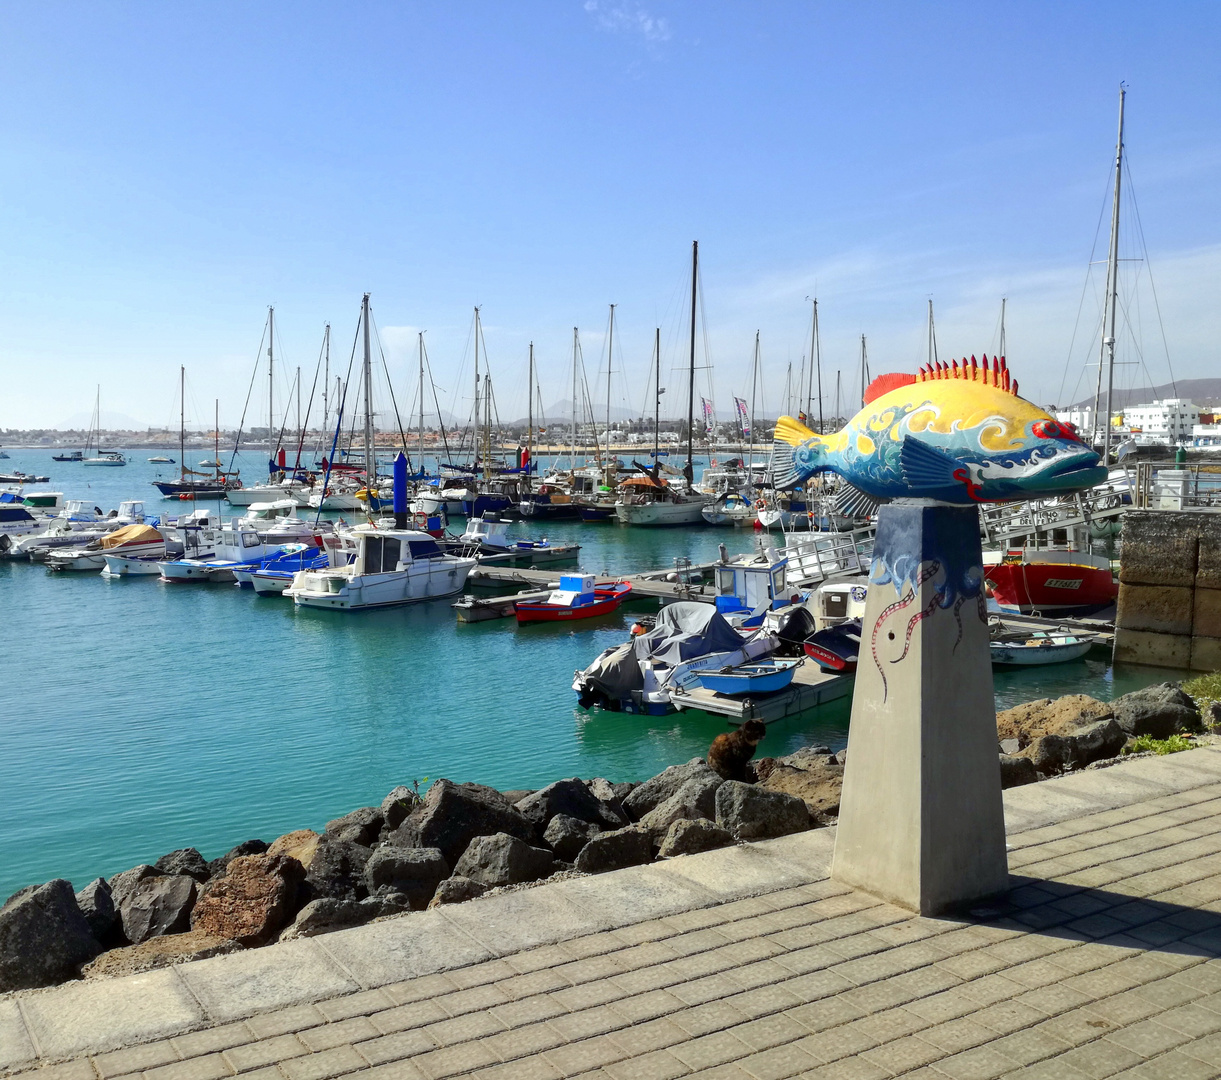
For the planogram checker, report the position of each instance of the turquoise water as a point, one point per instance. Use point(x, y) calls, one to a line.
point(140, 717)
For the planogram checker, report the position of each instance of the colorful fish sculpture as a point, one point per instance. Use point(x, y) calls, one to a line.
point(957, 433)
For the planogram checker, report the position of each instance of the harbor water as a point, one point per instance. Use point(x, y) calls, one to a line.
point(139, 717)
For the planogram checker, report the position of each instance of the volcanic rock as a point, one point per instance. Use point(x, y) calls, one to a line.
point(1016, 771)
point(415, 872)
point(452, 815)
point(653, 792)
point(157, 904)
point(300, 845)
point(815, 778)
point(253, 901)
point(502, 859)
point(751, 812)
point(360, 826)
point(336, 868)
point(456, 890)
point(693, 836)
point(571, 797)
point(97, 905)
point(44, 938)
point(246, 847)
point(158, 952)
point(696, 798)
point(567, 835)
point(630, 846)
point(397, 805)
point(1048, 716)
point(1077, 747)
point(1158, 711)
point(184, 861)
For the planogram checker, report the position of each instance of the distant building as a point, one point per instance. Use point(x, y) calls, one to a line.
point(1170, 421)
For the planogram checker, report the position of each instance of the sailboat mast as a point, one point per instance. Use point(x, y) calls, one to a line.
point(1002, 349)
point(656, 401)
point(610, 347)
point(932, 336)
point(529, 418)
point(421, 454)
point(182, 421)
point(216, 439)
point(1108, 341)
point(695, 266)
point(864, 371)
point(573, 461)
point(370, 460)
point(271, 341)
point(816, 351)
point(326, 379)
point(475, 434)
point(754, 386)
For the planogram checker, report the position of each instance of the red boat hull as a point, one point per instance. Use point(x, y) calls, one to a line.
point(540, 611)
point(1053, 588)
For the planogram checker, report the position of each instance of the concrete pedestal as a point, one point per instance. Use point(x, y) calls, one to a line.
point(921, 820)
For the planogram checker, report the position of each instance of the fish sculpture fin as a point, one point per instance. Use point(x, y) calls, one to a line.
point(851, 501)
point(925, 467)
point(883, 384)
point(790, 436)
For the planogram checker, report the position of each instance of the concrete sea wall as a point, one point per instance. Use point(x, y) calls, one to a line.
point(1169, 610)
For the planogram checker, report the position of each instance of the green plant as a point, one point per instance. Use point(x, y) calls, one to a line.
point(1171, 745)
point(1204, 688)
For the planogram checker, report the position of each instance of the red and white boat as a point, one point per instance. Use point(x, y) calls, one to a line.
point(1052, 583)
point(576, 598)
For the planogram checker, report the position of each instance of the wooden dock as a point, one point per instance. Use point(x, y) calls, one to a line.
point(811, 686)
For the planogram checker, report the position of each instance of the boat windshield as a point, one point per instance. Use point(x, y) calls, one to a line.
point(424, 549)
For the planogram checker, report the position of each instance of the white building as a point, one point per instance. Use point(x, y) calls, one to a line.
point(1170, 421)
point(1206, 435)
point(1081, 418)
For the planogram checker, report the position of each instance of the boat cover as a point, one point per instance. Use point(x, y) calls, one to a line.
point(131, 534)
point(615, 673)
point(687, 630)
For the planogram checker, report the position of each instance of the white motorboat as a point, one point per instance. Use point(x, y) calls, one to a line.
point(392, 566)
point(340, 494)
point(1014, 646)
point(132, 540)
point(131, 565)
point(295, 490)
point(732, 508)
point(110, 458)
point(17, 521)
point(645, 501)
point(237, 546)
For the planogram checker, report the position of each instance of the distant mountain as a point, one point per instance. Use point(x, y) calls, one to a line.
point(111, 421)
point(1199, 391)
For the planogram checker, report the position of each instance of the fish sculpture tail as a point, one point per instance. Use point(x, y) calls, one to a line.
point(796, 453)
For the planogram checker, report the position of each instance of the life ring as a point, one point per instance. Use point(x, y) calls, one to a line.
point(760, 504)
point(419, 520)
point(186, 496)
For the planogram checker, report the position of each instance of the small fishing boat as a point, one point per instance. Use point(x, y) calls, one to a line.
point(22, 478)
point(132, 565)
point(487, 537)
point(576, 598)
point(835, 648)
point(1015, 647)
point(76, 455)
point(135, 539)
point(161, 460)
point(759, 678)
point(1052, 583)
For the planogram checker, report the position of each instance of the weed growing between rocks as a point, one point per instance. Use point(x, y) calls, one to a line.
point(1146, 744)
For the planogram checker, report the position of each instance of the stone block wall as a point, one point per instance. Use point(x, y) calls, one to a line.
point(1169, 609)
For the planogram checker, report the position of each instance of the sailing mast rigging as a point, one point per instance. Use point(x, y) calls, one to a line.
point(1112, 300)
point(816, 352)
point(529, 420)
point(689, 470)
point(657, 392)
point(609, 474)
point(370, 459)
point(754, 386)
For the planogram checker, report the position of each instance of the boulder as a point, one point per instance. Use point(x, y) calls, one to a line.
point(1048, 716)
point(808, 757)
point(816, 779)
point(124, 884)
point(1016, 771)
point(515, 795)
point(300, 845)
point(567, 835)
point(693, 836)
point(611, 797)
point(360, 826)
point(1210, 716)
point(397, 805)
point(44, 938)
point(456, 890)
point(1076, 748)
point(653, 792)
point(570, 797)
point(158, 952)
point(1010, 746)
point(246, 847)
point(184, 861)
point(1158, 711)
point(630, 846)
point(157, 904)
point(502, 859)
point(253, 901)
point(452, 815)
point(336, 868)
point(97, 905)
point(751, 812)
point(327, 914)
point(696, 798)
point(414, 872)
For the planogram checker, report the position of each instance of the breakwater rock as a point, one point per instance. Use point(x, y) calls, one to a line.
point(408, 853)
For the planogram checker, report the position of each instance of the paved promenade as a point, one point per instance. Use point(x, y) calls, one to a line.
point(740, 964)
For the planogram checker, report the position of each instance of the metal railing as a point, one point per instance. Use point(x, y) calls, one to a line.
point(816, 556)
point(1177, 485)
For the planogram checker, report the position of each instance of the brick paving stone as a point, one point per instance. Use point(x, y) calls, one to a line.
point(708, 988)
point(642, 980)
point(1100, 1059)
point(816, 986)
point(419, 989)
point(763, 1000)
point(597, 944)
point(821, 1015)
point(296, 1018)
point(534, 1068)
point(474, 999)
point(1006, 1016)
point(577, 1057)
point(809, 958)
point(1174, 1065)
point(697, 941)
point(208, 1067)
point(360, 1004)
point(778, 1063)
point(529, 1010)
point(1168, 992)
point(656, 1065)
point(135, 1058)
point(1191, 1020)
point(452, 1060)
point(461, 1029)
point(536, 982)
point(523, 1041)
point(770, 1031)
point(851, 1069)
point(971, 965)
point(905, 1054)
point(354, 1029)
point(322, 1066)
point(593, 968)
point(653, 1035)
point(210, 1040)
point(1147, 1038)
point(589, 1022)
point(650, 952)
point(264, 1052)
point(588, 995)
point(709, 1050)
point(402, 1044)
point(1207, 1049)
point(1205, 976)
point(1126, 1008)
point(640, 1007)
point(892, 1024)
point(1031, 1045)
point(1055, 999)
point(709, 1017)
point(404, 1017)
point(954, 1036)
point(981, 1063)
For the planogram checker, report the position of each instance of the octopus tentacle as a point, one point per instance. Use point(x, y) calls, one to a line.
point(923, 576)
point(958, 619)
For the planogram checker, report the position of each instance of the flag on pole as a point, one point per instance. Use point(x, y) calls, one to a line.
point(743, 416)
point(707, 414)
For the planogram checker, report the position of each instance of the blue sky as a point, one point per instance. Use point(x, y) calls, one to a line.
point(169, 170)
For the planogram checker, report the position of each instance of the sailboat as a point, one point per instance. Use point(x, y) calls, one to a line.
point(206, 487)
point(648, 500)
point(104, 457)
point(391, 566)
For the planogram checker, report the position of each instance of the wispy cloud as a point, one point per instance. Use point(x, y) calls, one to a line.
point(628, 18)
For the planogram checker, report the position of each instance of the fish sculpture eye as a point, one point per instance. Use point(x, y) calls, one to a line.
point(1051, 429)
